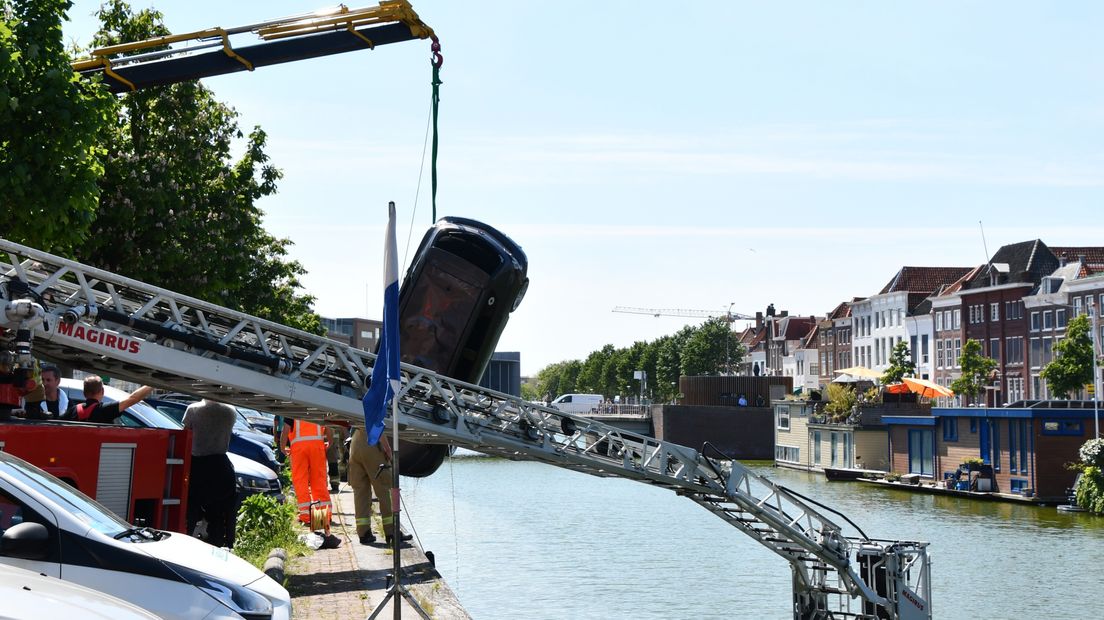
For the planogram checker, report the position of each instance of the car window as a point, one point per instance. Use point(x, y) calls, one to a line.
point(72, 501)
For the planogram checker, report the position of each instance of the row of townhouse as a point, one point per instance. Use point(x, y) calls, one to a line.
point(1017, 306)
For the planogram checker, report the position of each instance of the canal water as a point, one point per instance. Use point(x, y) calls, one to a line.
point(526, 540)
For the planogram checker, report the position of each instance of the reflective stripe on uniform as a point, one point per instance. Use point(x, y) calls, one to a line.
point(364, 521)
point(309, 427)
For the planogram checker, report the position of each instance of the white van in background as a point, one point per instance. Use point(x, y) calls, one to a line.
point(577, 403)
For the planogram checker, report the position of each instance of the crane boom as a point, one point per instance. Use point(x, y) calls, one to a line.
point(705, 314)
point(154, 62)
point(91, 318)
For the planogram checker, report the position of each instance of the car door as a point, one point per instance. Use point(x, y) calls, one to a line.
point(15, 508)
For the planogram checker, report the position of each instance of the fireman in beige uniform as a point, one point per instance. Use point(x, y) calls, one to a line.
point(370, 470)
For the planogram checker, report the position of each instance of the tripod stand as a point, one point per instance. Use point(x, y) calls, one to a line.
point(397, 590)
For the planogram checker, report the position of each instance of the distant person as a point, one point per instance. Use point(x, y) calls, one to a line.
point(370, 471)
point(742, 401)
point(758, 400)
point(212, 489)
point(93, 409)
point(306, 443)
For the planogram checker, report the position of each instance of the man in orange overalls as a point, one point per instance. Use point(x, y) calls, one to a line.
point(306, 443)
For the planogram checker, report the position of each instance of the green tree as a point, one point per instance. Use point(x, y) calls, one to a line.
point(50, 124)
point(1072, 365)
point(176, 210)
point(841, 401)
point(900, 364)
point(529, 392)
point(711, 349)
point(669, 364)
point(976, 369)
point(592, 376)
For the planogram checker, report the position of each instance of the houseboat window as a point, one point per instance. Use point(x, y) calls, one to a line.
point(816, 448)
point(1025, 428)
point(973, 425)
point(950, 428)
point(835, 443)
point(789, 454)
point(847, 449)
point(994, 441)
point(1012, 453)
point(920, 452)
point(1062, 427)
point(783, 415)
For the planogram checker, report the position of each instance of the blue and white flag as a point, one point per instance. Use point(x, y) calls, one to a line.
point(385, 373)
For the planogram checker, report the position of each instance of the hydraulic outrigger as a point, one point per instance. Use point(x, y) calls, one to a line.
point(90, 318)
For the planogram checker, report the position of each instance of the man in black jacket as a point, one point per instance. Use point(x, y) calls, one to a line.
point(93, 409)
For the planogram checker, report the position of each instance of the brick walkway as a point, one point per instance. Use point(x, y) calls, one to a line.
point(350, 581)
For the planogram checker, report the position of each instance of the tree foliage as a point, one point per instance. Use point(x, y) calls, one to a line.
point(1072, 365)
point(50, 128)
point(176, 209)
point(712, 349)
point(976, 369)
point(611, 371)
point(900, 364)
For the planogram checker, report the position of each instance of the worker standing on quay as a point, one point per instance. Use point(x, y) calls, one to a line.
point(306, 443)
point(370, 470)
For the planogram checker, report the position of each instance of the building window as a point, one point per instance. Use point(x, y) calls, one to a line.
point(957, 351)
point(816, 448)
point(921, 452)
point(1077, 306)
point(782, 415)
point(939, 354)
point(1036, 324)
point(994, 312)
point(1048, 319)
point(957, 318)
point(1013, 351)
point(1072, 428)
point(994, 348)
point(950, 428)
point(939, 321)
point(1060, 318)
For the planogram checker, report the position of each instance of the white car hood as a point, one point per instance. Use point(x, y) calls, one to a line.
point(198, 555)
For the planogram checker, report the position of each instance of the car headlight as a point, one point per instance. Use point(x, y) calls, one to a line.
point(251, 483)
point(241, 600)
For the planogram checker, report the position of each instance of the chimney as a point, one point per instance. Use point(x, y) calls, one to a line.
point(758, 320)
point(1062, 260)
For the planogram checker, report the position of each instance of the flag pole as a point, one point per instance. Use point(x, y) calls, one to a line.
point(391, 380)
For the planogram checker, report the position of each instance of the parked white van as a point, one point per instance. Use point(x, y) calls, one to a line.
point(32, 596)
point(577, 403)
point(49, 527)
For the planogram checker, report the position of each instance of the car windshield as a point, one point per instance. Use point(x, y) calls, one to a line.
point(73, 501)
point(141, 414)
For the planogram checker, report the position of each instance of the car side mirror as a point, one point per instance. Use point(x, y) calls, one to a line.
point(27, 541)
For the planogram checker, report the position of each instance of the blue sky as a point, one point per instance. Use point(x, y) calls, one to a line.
point(685, 155)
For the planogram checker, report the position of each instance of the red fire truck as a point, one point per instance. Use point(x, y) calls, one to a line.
point(139, 473)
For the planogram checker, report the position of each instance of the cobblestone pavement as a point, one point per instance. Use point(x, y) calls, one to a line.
point(351, 581)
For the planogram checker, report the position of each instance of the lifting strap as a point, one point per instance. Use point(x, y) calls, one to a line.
point(435, 101)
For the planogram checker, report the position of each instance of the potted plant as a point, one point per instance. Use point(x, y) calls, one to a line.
point(973, 464)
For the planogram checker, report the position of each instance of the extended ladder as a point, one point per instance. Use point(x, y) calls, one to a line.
point(90, 318)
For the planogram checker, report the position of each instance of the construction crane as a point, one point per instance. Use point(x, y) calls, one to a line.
point(204, 53)
point(93, 319)
point(727, 316)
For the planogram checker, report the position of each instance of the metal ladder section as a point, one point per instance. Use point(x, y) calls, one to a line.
point(98, 320)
